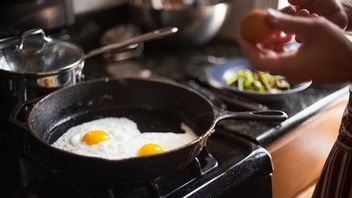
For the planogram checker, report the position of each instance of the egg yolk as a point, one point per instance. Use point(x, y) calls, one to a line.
point(150, 149)
point(95, 137)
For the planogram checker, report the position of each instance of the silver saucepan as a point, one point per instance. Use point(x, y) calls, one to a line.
point(38, 64)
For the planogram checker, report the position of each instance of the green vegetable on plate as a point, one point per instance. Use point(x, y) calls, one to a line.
point(262, 82)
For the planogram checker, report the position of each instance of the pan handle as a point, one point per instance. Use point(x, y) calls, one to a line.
point(264, 115)
point(22, 109)
point(156, 34)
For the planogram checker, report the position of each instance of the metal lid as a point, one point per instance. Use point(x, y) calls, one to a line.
point(36, 54)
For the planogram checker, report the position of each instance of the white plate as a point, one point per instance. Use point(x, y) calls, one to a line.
point(216, 76)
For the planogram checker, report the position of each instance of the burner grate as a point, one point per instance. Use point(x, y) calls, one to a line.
point(40, 179)
point(164, 186)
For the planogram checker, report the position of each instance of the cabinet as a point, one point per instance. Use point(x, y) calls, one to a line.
point(299, 155)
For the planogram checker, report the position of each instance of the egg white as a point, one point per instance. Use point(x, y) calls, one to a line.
point(124, 139)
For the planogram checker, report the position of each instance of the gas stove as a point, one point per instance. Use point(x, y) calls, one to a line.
point(233, 164)
point(226, 167)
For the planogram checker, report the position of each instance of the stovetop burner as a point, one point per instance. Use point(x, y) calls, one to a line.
point(165, 186)
point(220, 168)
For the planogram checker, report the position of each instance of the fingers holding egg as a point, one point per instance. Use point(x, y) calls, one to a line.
point(255, 29)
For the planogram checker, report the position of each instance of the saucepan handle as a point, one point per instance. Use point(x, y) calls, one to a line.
point(156, 34)
point(22, 109)
point(33, 32)
point(265, 115)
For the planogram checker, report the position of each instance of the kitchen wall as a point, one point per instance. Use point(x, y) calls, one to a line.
point(83, 6)
point(239, 8)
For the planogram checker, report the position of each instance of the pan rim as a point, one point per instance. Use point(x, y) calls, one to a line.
point(199, 140)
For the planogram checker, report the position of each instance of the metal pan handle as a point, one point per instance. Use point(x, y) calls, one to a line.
point(21, 109)
point(156, 34)
point(265, 115)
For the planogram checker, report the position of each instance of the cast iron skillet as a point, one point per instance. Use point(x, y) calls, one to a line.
point(154, 104)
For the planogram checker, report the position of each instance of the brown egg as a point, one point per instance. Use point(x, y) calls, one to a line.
point(254, 28)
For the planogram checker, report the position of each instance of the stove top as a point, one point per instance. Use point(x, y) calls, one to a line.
point(226, 166)
point(233, 164)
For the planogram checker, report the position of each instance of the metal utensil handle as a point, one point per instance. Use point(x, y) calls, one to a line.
point(20, 108)
point(265, 115)
point(138, 39)
point(32, 32)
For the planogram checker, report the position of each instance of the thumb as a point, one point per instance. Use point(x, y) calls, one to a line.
point(290, 24)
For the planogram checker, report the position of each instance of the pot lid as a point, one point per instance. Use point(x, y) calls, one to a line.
point(37, 54)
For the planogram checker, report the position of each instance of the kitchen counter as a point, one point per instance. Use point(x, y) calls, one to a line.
point(299, 107)
point(180, 63)
point(299, 155)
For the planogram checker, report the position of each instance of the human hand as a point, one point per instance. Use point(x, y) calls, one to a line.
point(330, 9)
point(325, 55)
point(296, 10)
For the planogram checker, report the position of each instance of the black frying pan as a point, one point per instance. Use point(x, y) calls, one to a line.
point(154, 104)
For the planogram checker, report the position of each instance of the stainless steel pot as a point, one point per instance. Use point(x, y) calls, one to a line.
point(197, 20)
point(36, 66)
point(39, 65)
point(42, 61)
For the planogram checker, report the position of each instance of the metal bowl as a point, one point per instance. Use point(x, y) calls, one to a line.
point(216, 76)
point(198, 20)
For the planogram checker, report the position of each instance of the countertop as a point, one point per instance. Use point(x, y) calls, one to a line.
point(178, 63)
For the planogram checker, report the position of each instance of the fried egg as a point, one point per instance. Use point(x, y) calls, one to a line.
point(119, 138)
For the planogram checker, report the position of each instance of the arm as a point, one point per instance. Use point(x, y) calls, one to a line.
point(325, 55)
